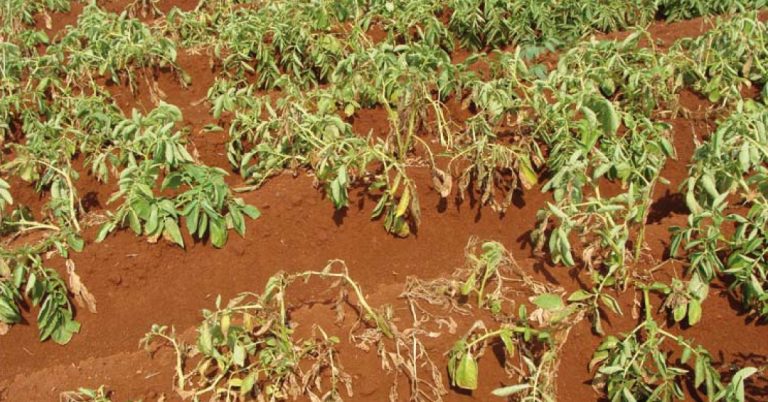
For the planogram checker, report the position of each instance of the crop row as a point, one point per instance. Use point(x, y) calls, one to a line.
point(599, 116)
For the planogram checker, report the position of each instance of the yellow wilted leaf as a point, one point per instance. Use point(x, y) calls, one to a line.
point(527, 175)
point(225, 323)
point(405, 200)
point(248, 322)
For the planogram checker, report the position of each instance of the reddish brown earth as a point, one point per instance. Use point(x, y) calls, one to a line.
point(137, 284)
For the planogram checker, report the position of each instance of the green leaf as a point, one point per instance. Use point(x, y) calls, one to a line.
point(468, 285)
point(611, 303)
point(64, 333)
point(744, 157)
point(685, 355)
point(134, 222)
point(598, 358)
point(238, 355)
point(248, 383)
point(548, 301)
point(218, 233)
point(606, 115)
point(192, 218)
point(580, 295)
point(528, 176)
point(709, 185)
point(557, 211)
point(679, 312)
point(379, 209)
point(467, 372)
point(694, 312)
point(691, 203)
point(251, 211)
point(610, 370)
point(510, 390)
point(172, 232)
point(509, 344)
point(628, 395)
point(76, 242)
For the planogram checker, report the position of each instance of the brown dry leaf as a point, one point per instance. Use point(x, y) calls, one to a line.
point(184, 394)
point(4, 328)
point(156, 94)
point(747, 68)
point(264, 328)
point(82, 296)
point(443, 182)
point(154, 239)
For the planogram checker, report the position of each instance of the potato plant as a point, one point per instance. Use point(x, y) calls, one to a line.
point(726, 59)
point(25, 277)
point(638, 79)
point(207, 205)
point(248, 347)
point(464, 86)
point(674, 10)
point(636, 366)
point(111, 45)
point(301, 43)
point(489, 165)
point(16, 15)
point(409, 22)
point(587, 148)
point(139, 137)
point(292, 137)
point(728, 165)
point(462, 359)
point(482, 23)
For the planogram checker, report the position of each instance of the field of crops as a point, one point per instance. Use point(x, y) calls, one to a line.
point(383, 200)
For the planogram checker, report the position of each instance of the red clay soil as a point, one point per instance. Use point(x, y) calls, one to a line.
point(137, 284)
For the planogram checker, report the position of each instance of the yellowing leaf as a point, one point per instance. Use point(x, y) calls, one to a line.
point(402, 205)
point(527, 175)
point(225, 323)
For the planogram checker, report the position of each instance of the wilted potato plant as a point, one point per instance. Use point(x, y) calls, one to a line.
point(391, 107)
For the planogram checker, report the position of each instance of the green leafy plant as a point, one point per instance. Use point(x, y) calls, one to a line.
point(16, 15)
point(23, 276)
point(207, 205)
point(295, 39)
point(685, 9)
point(141, 210)
point(485, 268)
point(114, 46)
point(728, 164)
point(727, 58)
point(463, 368)
point(636, 367)
point(292, 137)
point(636, 78)
point(151, 136)
point(248, 348)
